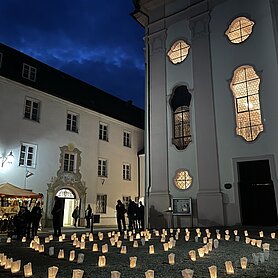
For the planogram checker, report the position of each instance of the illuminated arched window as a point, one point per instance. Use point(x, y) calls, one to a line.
point(245, 87)
point(240, 29)
point(180, 103)
point(65, 193)
point(182, 179)
point(178, 52)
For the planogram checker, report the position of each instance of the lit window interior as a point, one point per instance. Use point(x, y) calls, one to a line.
point(245, 87)
point(178, 52)
point(240, 29)
point(182, 179)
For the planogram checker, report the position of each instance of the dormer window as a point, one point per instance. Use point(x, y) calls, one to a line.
point(29, 72)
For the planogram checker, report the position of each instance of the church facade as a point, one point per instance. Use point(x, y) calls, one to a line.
point(211, 95)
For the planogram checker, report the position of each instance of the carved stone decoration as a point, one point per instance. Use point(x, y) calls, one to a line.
point(157, 43)
point(199, 26)
point(69, 180)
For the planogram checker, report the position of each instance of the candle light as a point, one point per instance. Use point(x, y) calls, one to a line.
point(205, 240)
point(8, 264)
point(227, 237)
point(261, 233)
point(171, 258)
point(72, 255)
point(259, 243)
point(24, 239)
point(131, 238)
point(151, 249)
point(187, 238)
point(9, 240)
point(132, 262)
point(95, 247)
point(52, 271)
point(272, 235)
point(201, 252)
point(213, 271)
point(137, 236)
point(3, 260)
point(104, 248)
point(41, 248)
point(61, 254)
point(100, 236)
point(253, 242)
point(28, 270)
point(218, 236)
point(112, 241)
point(266, 246)
point(229, 267)
point(123, 249)
point(192, 255)
point(119, 244)
point(235, 232)
point(60, 238)
point(77, 273)
point(243, 262)
point(115, 274)
point(246, 233)
point(82, 245)
point(80, 258)
point(91, 237)
point(187, 273)
point(101, 261)
point(165, 246)
point(149, 273)
point(135, 243)
point(247, 240)
point(15, 267)
point(46, 240)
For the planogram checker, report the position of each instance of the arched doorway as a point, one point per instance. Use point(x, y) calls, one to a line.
point(69, 201)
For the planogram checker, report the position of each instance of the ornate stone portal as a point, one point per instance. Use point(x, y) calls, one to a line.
point(66, 180)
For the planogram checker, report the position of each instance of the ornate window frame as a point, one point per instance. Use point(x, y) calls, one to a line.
point(182, 179)
point(178, 51)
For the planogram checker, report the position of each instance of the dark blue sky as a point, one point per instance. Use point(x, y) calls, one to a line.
point(95, 41)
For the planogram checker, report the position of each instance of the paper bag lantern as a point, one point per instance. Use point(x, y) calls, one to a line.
point(261, 233)
point(95, 247)
point(109, 234)
point(78, 243)
point(165, 246)
point(187, 238)
point(229, 267)
point(206, 249)
point(243, 262)
point(101, 261)
point(227, 237)
point(8, 264)
point(61, 254)
point(15, 267)
point(77, 273)
point(52, 271)
point(196, 238)
point(91, 237)
point(132, 262)
point(100, 236)
point(28, 270)
point(253, 242)
point(82, 245)
point(9, 240)
point(187, 273)
point(209, 245)
point(143, 241)
point(115, 274)
point(3, 260)
point(201, 252)
point(205, 240)
point(41, 248)
point(137, 236)
point(149, 273)
point(80, 258)
point(1, 256)
point(192, 255)
point(213, 271)
point(112, 241)
point(266, 246)
point(266, 255)
point(75, 241)
point(119, 244)
point(235, 232)
point(237, 238)
point(247, 240)
point(227, 232)
point(46, 240)
point(73, 236)
point(171, 258)
point(37, 239)
point(246, 233)
point(123, 249)
point(24, 239)
point(135, 244)
point(104, 248)
point(131, 238)
point(163, 239)
point(72, 256)
point(151, 249)
point(259, 243)
point(272, 235)
point(218, 236)
point(60, 238)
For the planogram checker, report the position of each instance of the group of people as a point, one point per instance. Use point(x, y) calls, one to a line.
point(135, 215)
point(26, 222)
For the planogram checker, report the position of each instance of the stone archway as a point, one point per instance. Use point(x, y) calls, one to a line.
point(66, 180)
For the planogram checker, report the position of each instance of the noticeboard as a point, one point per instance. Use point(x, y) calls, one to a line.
point(182, 206)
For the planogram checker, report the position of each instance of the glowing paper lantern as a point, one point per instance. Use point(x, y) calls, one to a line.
point(52, 271)
point(77, 273)
point(8, 264)
point(213, 271)
point(237, 238)
point(60, 238)
point(235, 232)
point(72, 255)
point(218, 236)
point(95, 247)
point(63, 236)
point(37, 239)
point(28, 270)
point(253, 242)
point(100, 236)
point(196, 238)
point(151, 249)
point(123, 249)
point(216, 243)
point(229, 267)
point(266, 246)
point(80, 258)
point(205, 240)
point(101, 261)
point(165, 246)
point(135, 244)
point(227, 237)
point(109, 234)
point(247, 240)
point(119, 244)
point(259, 243)
point(112, 241)
point(201, 252)
point(46, 240)
point(41, 248)
point(61, 254)
point(243, 262)
point(261, 233)
point(78, 243)
point(132, 262)
point(149, 273)
point(115, 274)
point(91, 237)
point(272, 235)
point(24, 239)
point(15, 267)
point(104, 248)
point(137, 236)
point(9, 240)
point(171, 258)
point(246, 233)
point(3, 260)
point(82, 245)
point(192, 255)
point(131, 238)
point(187, 273)
point(209, 245)
point(187, 238)
point(227, 232)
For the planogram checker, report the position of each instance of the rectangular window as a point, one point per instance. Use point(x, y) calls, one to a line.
point(126, 201)
point(27, 156)
point(103, 131)
point(102, 167)
point(1, 57)
point(72, 121)
point(32, 109)
point(29, 72)
point(69, 162)
point(101, 203)
point(126, 171)
point(127, 139)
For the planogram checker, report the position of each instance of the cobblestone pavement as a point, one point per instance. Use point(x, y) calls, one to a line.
point(228, 250)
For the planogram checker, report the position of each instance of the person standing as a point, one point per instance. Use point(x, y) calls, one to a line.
point(36, 214)
point(57, 216)
point(120, 208)
point(141, 215)
point(88, 216)
point(75, 215)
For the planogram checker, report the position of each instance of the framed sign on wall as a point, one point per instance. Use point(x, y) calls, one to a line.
point(182, 206)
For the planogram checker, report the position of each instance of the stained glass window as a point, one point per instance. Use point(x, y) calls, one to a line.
point(245, 87)
point(182, 179)
point(178, 51)
point(240, 29)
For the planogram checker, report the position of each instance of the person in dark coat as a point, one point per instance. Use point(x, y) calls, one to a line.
point(88, 216)
point(21, 222)
point(57, 216)
point(36, 214)
point(141, 215)
point(120, 208)
point(75, 215)
point(131, 212)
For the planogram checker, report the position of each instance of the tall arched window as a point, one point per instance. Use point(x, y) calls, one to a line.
point(245, 87)
point(180, 103)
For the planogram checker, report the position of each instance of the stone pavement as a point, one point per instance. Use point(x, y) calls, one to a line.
point(227, 250)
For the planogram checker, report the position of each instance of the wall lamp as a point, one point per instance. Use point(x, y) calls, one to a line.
point(7, 158)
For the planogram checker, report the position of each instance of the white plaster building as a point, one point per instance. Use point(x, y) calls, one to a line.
point(67, 137)
point(211, 110)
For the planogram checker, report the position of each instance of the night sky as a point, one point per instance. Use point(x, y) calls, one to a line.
point(95, 41)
